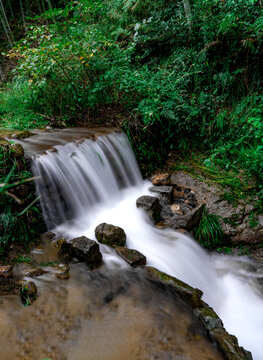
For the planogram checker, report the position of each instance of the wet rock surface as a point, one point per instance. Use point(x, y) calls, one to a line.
point(132, 257)
point(164, 192)
point(36, 272)
point(110, 235)
point(227, 344)
point(190, 295)
point(235, 220)
point(151, 206)
point(104, 315)
point(83, 249)
point(173, 206)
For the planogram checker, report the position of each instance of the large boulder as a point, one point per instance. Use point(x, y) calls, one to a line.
point(132, 257)
point(235, 219)
point(190, 295)
point(83, 249)
point(227, 344)
point(110, 235)
point(151, 206)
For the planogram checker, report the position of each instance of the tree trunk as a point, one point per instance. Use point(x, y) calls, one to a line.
point(188, 13)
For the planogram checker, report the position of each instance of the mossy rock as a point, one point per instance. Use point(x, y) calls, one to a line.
point(189, 294)
point(110, 235)
point(18, 150)
point(132, 257)
point(209, 318)
point(228, 345)
point(22, 135)
point(81, 248)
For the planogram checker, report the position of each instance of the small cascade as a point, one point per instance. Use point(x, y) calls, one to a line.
point(99, 181)
point(73, 178)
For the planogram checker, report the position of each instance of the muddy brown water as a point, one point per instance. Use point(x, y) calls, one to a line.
point(43, 140)
point(101, 315)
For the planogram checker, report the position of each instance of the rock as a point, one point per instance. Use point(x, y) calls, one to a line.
point(234, 219)
point(209, 318)
point(110, 235)
point(166, 213)
point(63, 272)
point(22, 135)
point(186, 292)
point(185, 221)
point(132, 257)
point(164, 192)
point(36, 272)
point(6, 271)
point(151, 206)
point(161, 179)
point(228, 345)
point(18, 150)
point(176, 208)
point(28, 292)
point(83, 249)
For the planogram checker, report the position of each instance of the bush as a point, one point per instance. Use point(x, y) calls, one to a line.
point(209, 232)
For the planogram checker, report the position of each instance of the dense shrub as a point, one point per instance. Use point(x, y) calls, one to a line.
point(194, 76)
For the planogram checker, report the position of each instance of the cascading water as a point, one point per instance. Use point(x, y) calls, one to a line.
point(99, 181)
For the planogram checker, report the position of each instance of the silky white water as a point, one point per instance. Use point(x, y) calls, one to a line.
point(83, 186)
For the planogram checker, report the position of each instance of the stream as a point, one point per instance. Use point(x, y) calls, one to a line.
point(99, 181)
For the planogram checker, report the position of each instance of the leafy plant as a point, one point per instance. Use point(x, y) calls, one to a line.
point(209, 232)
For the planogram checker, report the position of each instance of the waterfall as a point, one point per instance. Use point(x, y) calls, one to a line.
point(76, 177)
point(99, 181)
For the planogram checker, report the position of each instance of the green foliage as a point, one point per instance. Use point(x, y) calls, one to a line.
point(209, 232)
point(19, 222)
point(16, 107)
point(199, 80)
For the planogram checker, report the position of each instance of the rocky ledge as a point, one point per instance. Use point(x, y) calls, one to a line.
point(213, 327)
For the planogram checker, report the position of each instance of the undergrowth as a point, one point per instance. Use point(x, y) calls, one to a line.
point(20, 218)
point(183, 80)
point(209, 232)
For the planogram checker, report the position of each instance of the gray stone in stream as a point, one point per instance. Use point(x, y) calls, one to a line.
point(86, 250)
point(132, 257)
point(151, 206)
point(81, 248)
point(36, 272)
point(110, 235)
point(165, 193)
point(186, 221)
